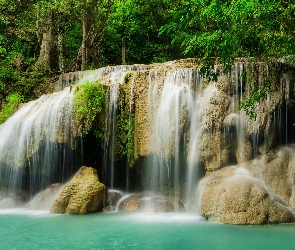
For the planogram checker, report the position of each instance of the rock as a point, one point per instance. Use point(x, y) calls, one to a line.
point(231, 196)
point(276, 169)
point(113, 197)
point(83, 194)
point(133, 203)
point(150, 203)
point(244, 151)
point(213, 110)
point(109, 209)
point(45, 199)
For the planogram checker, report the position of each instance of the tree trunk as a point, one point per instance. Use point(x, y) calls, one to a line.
point(83, 46)
point(46, 61)
point(60, 52)
point(37, 24)
point(123, 54)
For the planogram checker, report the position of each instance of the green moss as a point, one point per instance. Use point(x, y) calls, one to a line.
point(125, 127)
point(10, 106)
point(88, 101)
point(128, 76)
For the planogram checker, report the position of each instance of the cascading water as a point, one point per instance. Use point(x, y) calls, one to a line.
point(37, 144)
point(109, 157)
point(192, 175)
point(195, 127)
point(170, 111)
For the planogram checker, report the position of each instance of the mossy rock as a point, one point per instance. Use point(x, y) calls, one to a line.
point(83, 194)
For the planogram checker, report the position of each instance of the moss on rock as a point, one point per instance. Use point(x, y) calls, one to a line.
point(83, 194)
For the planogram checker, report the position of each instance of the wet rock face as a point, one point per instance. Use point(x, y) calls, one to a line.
point(276, 169)
point(147, 203)
point(231, 196)
point(113, 197)
point(83, 194)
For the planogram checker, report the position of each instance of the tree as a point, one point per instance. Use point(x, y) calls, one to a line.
point(215, 30)
point(134, 28)
point(227, 29)
point(17, 48)
point(92, 15)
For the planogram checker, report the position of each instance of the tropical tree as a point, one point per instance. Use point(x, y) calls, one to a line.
point(92, 15)
point(227, 29)
point(133, 31)
point(221, 30)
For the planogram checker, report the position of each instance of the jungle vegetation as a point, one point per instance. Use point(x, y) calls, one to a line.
point(41, 39)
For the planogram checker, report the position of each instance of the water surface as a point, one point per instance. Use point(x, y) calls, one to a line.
point(27, 229)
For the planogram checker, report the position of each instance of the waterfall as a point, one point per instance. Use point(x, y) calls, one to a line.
point(109, 156)
point(170, 110)
point(37, 144)
point(196, 126)
point(187, 127)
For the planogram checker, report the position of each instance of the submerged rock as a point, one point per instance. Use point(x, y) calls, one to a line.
point(109, 209)
point(150, 203)
point(83, 194)
point(232, 196)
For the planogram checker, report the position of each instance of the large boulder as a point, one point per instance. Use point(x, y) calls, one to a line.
point(150, 203)
point(83, 194)
point(232, 196)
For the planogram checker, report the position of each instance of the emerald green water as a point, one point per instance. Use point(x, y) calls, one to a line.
point(23, 229)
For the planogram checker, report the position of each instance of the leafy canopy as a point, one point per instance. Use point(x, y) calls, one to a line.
point(228, 29)
point(218, 31)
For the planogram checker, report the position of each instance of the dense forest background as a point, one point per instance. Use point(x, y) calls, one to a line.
point(41, 39)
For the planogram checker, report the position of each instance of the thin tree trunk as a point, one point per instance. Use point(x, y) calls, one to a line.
point(123, 54)
point(83, 47)
point(37, 24)
point(43, 62)
point(60, 52)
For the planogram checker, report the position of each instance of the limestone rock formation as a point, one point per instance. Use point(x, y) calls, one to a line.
point(83, 194)
point(232, 196)
point(148, 203)
point(276, 169)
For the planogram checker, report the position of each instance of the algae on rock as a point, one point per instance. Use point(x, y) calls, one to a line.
point(83, 194)
point(88, 102)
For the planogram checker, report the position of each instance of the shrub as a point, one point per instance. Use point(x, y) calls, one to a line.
point(10, 106)
point(88, 101)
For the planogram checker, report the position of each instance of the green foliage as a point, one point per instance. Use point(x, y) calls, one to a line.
point(11, 104)
point(88, 101)
point(258, 93)
point(220, 31)
point(125, 127)
point(128, 76)
point(136, 24)
point(229, 29)
point(211, 30)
